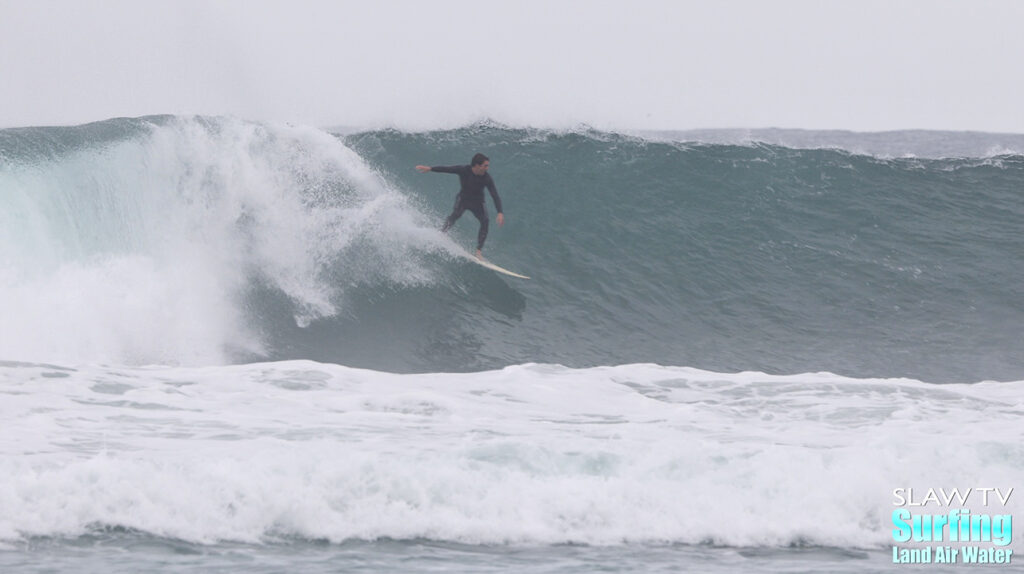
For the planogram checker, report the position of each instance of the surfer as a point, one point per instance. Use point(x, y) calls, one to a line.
point(473, 178)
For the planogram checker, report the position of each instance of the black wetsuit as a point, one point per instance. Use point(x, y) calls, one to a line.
point(471, 197)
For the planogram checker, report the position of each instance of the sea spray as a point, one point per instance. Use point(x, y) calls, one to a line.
point(146, 248)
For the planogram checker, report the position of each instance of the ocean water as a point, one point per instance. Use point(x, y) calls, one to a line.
point(234, 346)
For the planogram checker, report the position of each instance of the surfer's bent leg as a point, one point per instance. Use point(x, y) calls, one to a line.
point(457, 212)
point(481, 214)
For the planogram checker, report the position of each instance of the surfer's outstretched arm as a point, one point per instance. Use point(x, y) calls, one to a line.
point(456, 169)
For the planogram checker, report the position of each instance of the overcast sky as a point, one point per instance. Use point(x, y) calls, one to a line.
point(671, 64)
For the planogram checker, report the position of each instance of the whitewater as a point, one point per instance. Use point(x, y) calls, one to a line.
point(234, 345)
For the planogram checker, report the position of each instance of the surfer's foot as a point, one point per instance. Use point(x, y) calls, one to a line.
point(480, 255)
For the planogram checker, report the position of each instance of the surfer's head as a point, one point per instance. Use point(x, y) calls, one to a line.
point(480, 164)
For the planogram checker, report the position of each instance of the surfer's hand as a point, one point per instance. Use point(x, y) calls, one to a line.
point(501, 219)
point(423, 168)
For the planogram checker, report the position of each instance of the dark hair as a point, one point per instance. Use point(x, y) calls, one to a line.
point(479, 159)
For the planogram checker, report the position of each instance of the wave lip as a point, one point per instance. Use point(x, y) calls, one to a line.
point(930, 144)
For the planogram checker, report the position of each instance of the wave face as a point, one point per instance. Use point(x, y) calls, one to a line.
point(734, 257)
point(201, 241)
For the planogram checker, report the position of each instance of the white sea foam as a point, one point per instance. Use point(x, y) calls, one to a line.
point(142, 251)
point(530, 454)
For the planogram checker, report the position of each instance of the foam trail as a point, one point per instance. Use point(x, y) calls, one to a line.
point(533, 454)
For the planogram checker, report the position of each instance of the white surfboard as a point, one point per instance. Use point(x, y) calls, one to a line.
point(493, 267)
